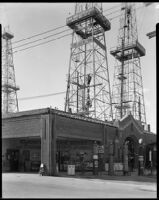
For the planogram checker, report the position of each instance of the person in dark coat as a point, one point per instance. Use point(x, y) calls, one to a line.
point(42, 169)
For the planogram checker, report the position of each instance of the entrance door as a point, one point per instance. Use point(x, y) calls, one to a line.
point(26, 160)
point(131, 153)
point(13, 158)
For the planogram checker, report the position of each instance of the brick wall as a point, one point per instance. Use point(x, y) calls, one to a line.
point(21, 127)
point(67, 127)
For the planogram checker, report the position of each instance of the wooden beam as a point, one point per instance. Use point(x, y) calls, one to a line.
point(151, 34)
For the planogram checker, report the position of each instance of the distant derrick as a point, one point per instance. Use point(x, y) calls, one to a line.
point(9, 88)
point(127, 93)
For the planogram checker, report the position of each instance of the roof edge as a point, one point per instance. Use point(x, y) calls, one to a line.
point(55, 111)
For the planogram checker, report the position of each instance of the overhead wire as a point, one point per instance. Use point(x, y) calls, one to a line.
point(40, 96)
point(55, 34)
point(46, 41)
point(52, 94)
point(114, 17)
point(40, 39)
point(21, 40)
point(119, 14)
point(39, 34)
point(42, 43)
point(60, 27)
point(113, 12)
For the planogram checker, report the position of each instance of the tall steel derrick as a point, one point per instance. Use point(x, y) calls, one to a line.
point(88, 86)
point(127, 92)
point(9, 88)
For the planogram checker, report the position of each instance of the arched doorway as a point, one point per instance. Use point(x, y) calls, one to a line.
point(132, 152)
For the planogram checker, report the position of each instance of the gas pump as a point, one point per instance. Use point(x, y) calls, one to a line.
point(82, 162)
point(140, 159)
point(150, 159)
point(125, 159)
point(111, 159)
point(95, 158)
point(100, 158)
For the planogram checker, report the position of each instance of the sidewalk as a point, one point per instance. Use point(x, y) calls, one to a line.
point(105, 176)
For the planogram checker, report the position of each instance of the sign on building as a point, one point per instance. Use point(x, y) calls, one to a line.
point(100, 149)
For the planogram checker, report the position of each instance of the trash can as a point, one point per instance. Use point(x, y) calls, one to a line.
point(71, 170)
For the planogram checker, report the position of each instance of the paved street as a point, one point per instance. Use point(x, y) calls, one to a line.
point(21, 185)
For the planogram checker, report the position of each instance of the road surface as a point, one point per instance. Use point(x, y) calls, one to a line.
point(21, 185)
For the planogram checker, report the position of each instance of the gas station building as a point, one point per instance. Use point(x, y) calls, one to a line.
point(58, 139)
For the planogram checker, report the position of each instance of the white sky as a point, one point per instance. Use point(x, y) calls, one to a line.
point(42, 70)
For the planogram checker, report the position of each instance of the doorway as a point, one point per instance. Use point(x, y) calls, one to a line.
point(13, 158)
point(131, 153)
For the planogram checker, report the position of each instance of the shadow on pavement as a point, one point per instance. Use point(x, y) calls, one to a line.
point(104, 176)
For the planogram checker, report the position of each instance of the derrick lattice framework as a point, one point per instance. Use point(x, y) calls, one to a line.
point(127, 92)
point(88, 86)
point(9, 88)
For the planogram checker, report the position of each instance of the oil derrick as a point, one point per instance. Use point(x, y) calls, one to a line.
point(127, 92)
point(9, 88)
point(88, 86)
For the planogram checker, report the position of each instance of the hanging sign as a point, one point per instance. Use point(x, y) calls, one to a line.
point(101, 149)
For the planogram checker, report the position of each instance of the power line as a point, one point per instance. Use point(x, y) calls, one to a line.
point(54, 35)
point(54, 39)
point(114, 17)
point(40, 96)
point(113, 12)
point(52, 29)
point(60, 28)
point(120, 15)
point(49, 40)
point(42, 43)
point(39, 34)
point(41, 39)
point(36, 36)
